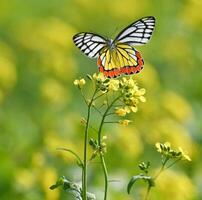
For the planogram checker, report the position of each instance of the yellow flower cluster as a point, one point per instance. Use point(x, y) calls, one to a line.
point(125, 88)
point(131, 95)
point(165, 149)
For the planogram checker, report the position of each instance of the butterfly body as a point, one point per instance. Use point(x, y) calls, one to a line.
point(118, 56)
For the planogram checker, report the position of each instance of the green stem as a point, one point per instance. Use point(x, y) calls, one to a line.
point(100, 143)
point(148, 191)
point(162, 168)
point(105, 174)
point(156, 176)
point(84, 175)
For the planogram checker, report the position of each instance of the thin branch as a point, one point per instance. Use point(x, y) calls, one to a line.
point(115, 122)
point(112, 113)
point(73, 153)
point(85, 100)
point(97, 110)
point(99, 96)
point(147, 193)
point(173, 163)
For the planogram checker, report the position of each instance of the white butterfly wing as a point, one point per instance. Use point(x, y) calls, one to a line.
point(138, 33)
point(89, 43)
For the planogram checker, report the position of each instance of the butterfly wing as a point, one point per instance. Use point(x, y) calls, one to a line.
point(137, 33)
point(122, 59)
point(89, 43)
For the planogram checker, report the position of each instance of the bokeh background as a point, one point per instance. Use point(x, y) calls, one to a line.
point(40, 109)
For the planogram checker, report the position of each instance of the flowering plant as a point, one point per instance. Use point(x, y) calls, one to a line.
point(169, 157)
point(109, 97)
point(113, 100)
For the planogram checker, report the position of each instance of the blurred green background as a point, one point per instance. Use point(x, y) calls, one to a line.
point(40, 109)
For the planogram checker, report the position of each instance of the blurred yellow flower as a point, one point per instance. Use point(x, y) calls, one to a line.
point(191, 13)
point(184, 154)
point(124, 122)
point(128, 141)
point(174, 185)
point(177, 106)
point(121, 111)
point(49, 176)
point(38, 160)
point(79, 82)
point(25, 179)
point(170, 130)
point(149, 73)
point(54, 92)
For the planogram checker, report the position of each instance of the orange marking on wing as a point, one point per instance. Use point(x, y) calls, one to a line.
point(99, 62)
point(123, 70)
point(133, 69)
point(111, 74)
point(116, 72)
point(106, 73)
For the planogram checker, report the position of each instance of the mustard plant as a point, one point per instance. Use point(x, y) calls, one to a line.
point(169, 157)
point(113, 99)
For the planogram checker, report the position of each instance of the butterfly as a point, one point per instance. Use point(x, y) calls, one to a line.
point(118, 56)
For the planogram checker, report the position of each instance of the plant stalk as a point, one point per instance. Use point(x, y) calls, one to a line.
point(84, 172)
point(100, 143)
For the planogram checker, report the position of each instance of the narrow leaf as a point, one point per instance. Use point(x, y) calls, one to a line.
point(149, 180)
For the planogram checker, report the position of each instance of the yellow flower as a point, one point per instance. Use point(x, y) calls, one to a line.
point(104, 137)
point(113, 85)
point(80, 82)
point(76, 82)
point(124, 122)
point(99, 77)
point(133, 108)
point(142, 99)
point(121, 112)
point(163, 147)
point(167, 145)
point(158, 146)
point(140, 92)
point(184, 155)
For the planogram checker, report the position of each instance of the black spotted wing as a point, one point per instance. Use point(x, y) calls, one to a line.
point(89, 43)
point(137, 33)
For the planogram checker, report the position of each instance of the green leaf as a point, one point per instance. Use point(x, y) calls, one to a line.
point(59, 183)
point(72, 188)
point(148, 179)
